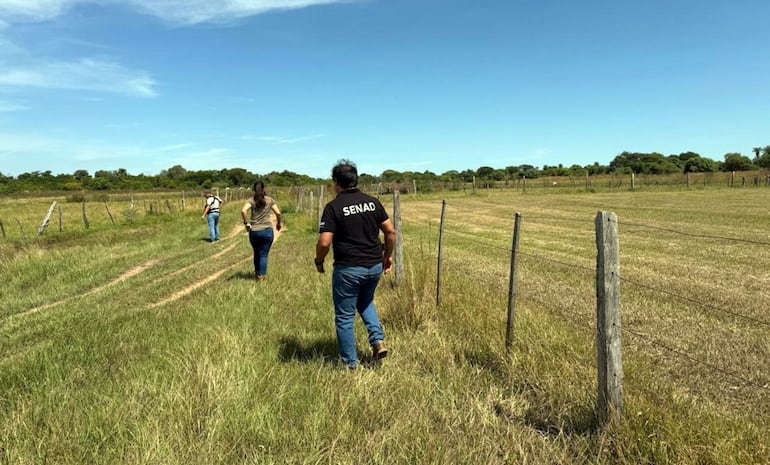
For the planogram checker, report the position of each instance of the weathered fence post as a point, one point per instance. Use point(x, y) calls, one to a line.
point(440, 245)
point(83, 207)
point(61, 219)
point(109, 213)
point(2, 228)
point(608, 328)
point(399, 249)
point(44, 224)
point(320, 202)
point(21, 228)
point(512, 283)
point(311, 202)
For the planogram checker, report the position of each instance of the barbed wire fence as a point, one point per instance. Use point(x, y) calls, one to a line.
point(647, 344)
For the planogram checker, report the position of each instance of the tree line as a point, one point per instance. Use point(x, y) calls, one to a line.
point(177, 177)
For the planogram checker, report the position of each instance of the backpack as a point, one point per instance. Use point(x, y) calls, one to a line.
point(216, 202)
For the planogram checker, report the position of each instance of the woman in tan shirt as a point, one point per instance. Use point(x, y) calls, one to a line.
point(257, 221)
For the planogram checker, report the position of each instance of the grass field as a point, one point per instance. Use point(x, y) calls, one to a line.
point(140, 342)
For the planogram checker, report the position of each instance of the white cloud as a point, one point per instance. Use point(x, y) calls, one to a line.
point(36, 10)
point(281, 140)
point(203, 11)
point(175, 11)
point(85, 74)
point(11, 107)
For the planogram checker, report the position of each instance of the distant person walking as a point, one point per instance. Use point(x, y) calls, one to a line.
point(256, 219)
point(351, 225)
point(211, 214)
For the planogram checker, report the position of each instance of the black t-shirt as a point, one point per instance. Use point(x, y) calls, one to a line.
point(354, 218)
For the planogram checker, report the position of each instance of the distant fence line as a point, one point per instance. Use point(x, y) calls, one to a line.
point(132, 205)
point(631, 181)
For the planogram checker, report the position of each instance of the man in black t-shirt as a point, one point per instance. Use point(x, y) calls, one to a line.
point(351, 224)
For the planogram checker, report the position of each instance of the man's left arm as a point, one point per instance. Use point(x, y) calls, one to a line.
point(390, 242)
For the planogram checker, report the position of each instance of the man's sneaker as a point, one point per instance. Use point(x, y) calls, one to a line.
point(379, 351)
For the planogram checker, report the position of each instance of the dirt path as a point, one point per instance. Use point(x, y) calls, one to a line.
point(238, 230)
point(132, 272)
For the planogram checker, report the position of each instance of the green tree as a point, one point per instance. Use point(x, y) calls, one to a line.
point(700, 165)
point(737, 162)
point(763, 159)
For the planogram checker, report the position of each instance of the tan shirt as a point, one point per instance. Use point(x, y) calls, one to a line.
point(260, 218)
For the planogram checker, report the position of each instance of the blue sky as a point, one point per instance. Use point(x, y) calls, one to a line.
point(409, 85)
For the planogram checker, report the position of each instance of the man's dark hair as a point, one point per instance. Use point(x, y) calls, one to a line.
point(345, 174)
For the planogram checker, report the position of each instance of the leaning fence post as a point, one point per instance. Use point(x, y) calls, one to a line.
point(512, 283)
point(109, 213)
point(440, 245)
point(44, 224)
point(608, 328)
point(21, 228)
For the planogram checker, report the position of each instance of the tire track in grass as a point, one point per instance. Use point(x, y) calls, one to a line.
point(128, 274)
point(211, 277)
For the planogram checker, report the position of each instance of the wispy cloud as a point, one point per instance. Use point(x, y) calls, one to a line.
point(277, 140)
point(36, 10)
point(11, 107)
point(85, 74)
point(185, 12)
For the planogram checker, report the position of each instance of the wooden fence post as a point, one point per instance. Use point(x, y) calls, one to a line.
point(440, 245)
point(61, 218)
point(512, 283)
point(21, 228)
point(2, 228)
point(44, 224)
point(320, 202)
point(109, 213)
point(399, 249)
point(85, 218)
point(608, 328)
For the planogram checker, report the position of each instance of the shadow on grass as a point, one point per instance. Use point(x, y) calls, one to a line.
point(290, 348)
point(246, 275)
point(544, 415)
point(325, 350)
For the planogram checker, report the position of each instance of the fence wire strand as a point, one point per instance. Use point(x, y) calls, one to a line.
point(713, 367)
point(694, 301)
point(701, 236)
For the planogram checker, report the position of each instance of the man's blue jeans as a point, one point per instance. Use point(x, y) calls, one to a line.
point(353, 290)
point(261, 241)
point(213, 220)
